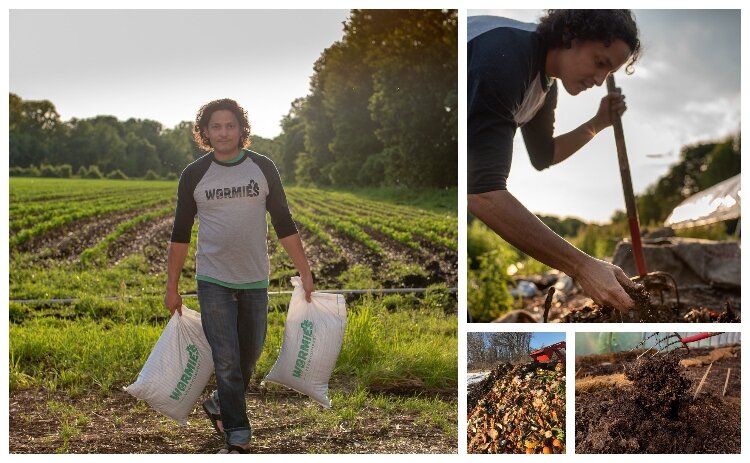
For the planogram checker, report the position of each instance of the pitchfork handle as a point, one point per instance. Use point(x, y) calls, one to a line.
point(627, 185)
point(697, 337)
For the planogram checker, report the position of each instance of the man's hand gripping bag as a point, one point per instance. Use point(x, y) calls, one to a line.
point(313, 335)
point(178, 368)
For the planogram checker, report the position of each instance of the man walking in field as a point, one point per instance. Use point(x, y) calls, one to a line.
point(513, 74)
point(230, 189)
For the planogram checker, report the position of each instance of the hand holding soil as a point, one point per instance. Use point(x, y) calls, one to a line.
point(605, 284)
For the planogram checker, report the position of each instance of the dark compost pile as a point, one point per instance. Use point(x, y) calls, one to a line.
point(657, 413)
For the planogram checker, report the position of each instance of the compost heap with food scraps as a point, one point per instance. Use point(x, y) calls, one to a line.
point(655, 414)
point(518, 409)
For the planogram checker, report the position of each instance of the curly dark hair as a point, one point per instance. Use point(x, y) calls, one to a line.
point(204, 115)
point(559, 27)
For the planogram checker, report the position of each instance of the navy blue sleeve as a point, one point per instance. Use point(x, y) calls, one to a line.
point(276, 203)
point(184, 215)
point(497, 76)
point(538, 132)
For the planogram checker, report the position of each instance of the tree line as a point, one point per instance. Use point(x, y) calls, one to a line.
point(485, 350)
point(701, 166)
point(382, 110)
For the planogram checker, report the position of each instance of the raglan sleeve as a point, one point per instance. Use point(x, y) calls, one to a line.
point(538, 133)
point(276, 202)
point(490, 129)
point(186, 209)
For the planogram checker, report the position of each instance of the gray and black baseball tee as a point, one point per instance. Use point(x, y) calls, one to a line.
point(507, 88)
point(231, 200)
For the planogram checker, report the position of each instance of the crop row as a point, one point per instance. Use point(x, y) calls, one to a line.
point(339, 224)
point(59, 216)
point(404, 229)
point(56, 219)
point(93, 254)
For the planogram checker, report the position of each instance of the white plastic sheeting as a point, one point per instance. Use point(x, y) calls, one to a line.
point(715, 204)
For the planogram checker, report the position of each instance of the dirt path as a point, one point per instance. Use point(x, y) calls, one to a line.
point(52, 422)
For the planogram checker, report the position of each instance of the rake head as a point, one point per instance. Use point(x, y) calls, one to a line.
point(666, 342)
point(662, 342)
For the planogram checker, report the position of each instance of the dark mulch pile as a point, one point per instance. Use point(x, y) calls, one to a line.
point(656, 414)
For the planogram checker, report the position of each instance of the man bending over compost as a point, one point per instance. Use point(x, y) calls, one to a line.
point(513, 74)
point(230, 189)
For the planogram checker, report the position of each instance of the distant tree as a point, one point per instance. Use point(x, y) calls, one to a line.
point(475, 350)
point(313, 167)
point(722, 162)
point(34, 131)
point(179, 149)
point(292, 140)
point(267, 147)
point(415, 94)
point(140, 156)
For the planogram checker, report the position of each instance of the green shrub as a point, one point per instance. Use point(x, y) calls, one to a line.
point(48, 171)
point(488, 296)
point(17, 172)
point(83, 172)
point(117, 174)
point(481, 240)
point(151, 175)
point(171, 176)
point(94, 172)
point(64, 171)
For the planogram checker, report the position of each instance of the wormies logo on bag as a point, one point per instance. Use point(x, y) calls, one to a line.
point(188, 376)
point(304, 348)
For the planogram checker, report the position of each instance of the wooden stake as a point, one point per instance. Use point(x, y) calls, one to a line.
point(548, 302)
point(703, 380)
point(726, 382)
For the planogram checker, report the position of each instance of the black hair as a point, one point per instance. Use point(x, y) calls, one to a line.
point(558, 28)
point(204, 115)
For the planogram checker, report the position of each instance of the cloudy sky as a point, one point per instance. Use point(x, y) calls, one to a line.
point(685, 89)
point(164, 64)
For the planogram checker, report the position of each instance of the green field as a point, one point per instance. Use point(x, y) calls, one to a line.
point(102, 244)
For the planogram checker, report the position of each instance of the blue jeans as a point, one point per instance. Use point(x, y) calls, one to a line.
point(234, 321)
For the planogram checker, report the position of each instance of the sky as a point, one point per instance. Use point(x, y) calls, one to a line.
point(544, 339)
point(685, 89)
point(164, 64)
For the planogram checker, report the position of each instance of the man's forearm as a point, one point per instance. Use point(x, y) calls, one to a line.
point(513, 222)
point(568, 143)
point(293, 246)
point(175, 261)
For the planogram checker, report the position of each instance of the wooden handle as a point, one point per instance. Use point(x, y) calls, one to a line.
point(627, 185)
